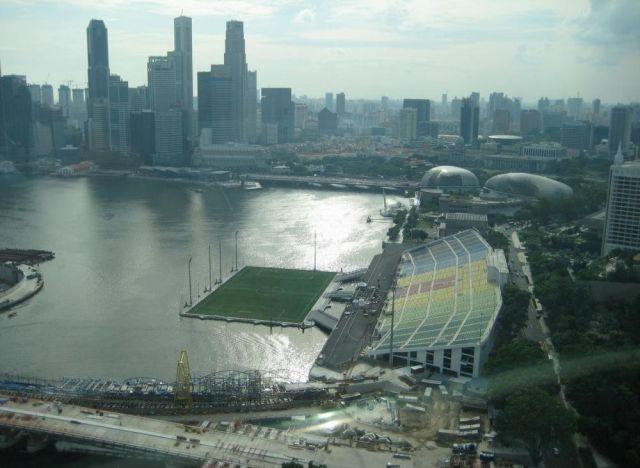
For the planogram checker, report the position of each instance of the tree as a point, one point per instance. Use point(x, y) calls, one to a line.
point(536, 418)
point(513, 315)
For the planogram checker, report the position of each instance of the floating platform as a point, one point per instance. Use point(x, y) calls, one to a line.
point(264, 296)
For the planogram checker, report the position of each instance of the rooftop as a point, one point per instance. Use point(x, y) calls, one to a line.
point(444, 295)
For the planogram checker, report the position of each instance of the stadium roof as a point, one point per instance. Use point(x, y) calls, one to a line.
point(444, 295)
point(522, 184)
point(449, 177)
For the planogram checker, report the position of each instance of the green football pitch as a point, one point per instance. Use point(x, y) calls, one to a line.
point(266, 294)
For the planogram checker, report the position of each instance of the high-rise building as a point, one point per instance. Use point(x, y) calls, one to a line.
point(78, 110)
point(142, 135)
point(328, 101)
point(408, 123)
point(36, 93)
point(577, 135)
point(215, 103)
point(98, 81)
point(596, 106)
point(423, 113)
point(169, 138)
point(341, 104)
point(119, 113)
point(15, 118)
point(47, 95)
point(619, 128)
point(162, 76)
point(529, 122)
point(98, 60)
point(277, 108)
point(138, 99)
point(501, 121)
point(622, 222)
point(184, 61)
point(236, 60)
point(327, 121)
point(252, 106)
point(99, 134)
point(300, 118)
point(64, 99)
point(553, 119)
point(469, 120)
point(574, 108)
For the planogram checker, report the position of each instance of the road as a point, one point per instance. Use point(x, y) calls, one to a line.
point(536, 330)
point(134, 436)
point(349, 181)
point(357, 323)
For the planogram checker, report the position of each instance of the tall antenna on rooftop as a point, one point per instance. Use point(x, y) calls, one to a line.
point(189, 269)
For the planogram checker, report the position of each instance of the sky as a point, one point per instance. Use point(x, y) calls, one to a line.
point(365, 48)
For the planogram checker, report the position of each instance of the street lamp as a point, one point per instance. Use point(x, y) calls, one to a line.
point(189, 269)
point(236, 250)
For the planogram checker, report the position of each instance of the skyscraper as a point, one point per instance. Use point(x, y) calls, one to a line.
point(184, 61)
point(161, 74)
point(98, 60)
point(47, 95)
point(15, 118)
point(408, 123)
point(215, 101)
point(64, 99)
point(328, 101)
point(501, 121)
point(622, 222)
point(78, 111)
point(36, 93)
point(169, 138)
point(119, 113)
point(142, 135)
point(469, 121)
point(619, 128)
point(277, 108)
point(340, 103)
point(98, 81)
point(529, 122)
point(236, 60)
point(574, 108)
point(423, 114)
point(252, 106)
point(596, 106)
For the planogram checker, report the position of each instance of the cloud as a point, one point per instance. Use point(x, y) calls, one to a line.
point(306, 16)
point(611, 23)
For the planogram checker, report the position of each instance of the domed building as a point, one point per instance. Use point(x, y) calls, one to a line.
point(527, 186)
point(450, 179)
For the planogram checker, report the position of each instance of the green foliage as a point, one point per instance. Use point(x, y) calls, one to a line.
point(497, 240)
point(373, 166)
point(398, 220)
point(513, 315)
point(516, 366)
point(535, 417)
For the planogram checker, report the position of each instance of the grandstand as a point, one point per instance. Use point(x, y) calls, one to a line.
point(447, 299)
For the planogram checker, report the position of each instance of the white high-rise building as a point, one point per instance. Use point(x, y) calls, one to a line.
point(622, 223)
point(408, 123)
point(162, 76)
point(184, 61)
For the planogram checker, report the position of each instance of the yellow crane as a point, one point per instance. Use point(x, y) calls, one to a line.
point(182, 389)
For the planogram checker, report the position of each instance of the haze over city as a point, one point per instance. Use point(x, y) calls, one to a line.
point(295, 234)
point(365, 48)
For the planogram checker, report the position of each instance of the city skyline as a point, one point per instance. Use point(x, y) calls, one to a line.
point(413, 49)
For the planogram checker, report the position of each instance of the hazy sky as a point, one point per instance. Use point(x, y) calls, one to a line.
point(366, 48)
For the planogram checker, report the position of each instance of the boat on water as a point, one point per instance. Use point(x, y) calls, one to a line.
point(251, 185)
point(368, 219)
point(315, 184)
point(389, 210)
point(338, 186)
point(12, 314)
point(196, 190)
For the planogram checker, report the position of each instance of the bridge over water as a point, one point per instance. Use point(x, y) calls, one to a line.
point(336, 182)
point(80, 429)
